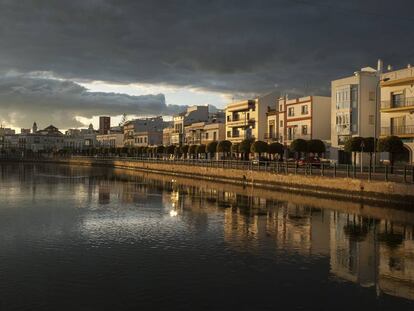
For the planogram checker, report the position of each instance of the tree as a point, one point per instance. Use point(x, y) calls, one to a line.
point(177, 151)
point(184, 150)
point(276, 148)
point(212, 148)
point(259, 147)
point(392, 145)
point(224, 146)
point(170, 149)
point(353, 145)
point(159, 150)
point(235, 150)
point(244, 148)
point(201, 149)
point(369, 145)
point(299, 146)
point(192, 150)
point(316, 146)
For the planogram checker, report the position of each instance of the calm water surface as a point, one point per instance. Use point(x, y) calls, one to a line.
point(96, 239)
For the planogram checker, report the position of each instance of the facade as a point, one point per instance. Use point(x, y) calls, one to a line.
point(80, 139)
point(305, 118)
point(353, 110)
point(247, 119)
point(166, 136)
point(144, 132)
point(111, 140)
point(104, 125)
point(194, 114)
point(397, 108)
point(213, 132)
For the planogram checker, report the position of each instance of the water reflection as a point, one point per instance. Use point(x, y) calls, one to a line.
point(110, 207)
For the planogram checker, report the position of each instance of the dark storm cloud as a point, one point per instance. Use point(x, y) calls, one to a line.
point(25, 99)
point(229, 46)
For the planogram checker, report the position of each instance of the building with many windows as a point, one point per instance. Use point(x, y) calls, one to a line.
point(193, 114)
point(397, 109)
point(353, 110)
point(305, 118)
point(247, 119)
point(144, 132)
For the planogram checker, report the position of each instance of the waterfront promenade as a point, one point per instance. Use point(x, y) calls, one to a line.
point(325, 180)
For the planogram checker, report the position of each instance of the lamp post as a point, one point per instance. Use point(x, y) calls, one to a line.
point(376, 121)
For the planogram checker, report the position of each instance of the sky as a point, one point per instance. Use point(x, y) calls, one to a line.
point(67, 62)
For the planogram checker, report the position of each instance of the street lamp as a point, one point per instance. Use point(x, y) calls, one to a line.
point(376, 120)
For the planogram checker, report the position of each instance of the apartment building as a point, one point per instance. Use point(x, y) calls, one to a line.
point(397, 109)
point(193, 114)
point(247, 119)
point(353, 108)
point(114, 138)
point(204, 132)
point(166, 136)
point(306, 118)
point(144, 132)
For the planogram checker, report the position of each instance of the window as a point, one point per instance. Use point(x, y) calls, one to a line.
point(371, 119)
point(291, 112)
point(228, 133)
point(228, 118)
point(305, 109)
point(397, 100)
point(214, 135)
point(281, 123)
point(371, 96)
point(248, 116)
point(206, 136)
point(280, 107)
point(304, 130)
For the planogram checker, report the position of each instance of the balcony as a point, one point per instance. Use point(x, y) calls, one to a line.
point(407, 131)
point(400, 104)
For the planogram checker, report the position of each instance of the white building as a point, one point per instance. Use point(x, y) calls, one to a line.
point(353, 109)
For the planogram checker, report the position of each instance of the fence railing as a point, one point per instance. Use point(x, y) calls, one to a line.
point(396, 173)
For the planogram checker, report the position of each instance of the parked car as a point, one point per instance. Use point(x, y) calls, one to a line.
point(314, 161)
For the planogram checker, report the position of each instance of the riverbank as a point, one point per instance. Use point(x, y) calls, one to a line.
point(314, 184)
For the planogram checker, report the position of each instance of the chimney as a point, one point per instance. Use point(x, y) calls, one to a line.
point(380, 66)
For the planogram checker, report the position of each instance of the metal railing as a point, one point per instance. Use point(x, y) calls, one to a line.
point(395, 173)
point(397, 103)
point(397, 130)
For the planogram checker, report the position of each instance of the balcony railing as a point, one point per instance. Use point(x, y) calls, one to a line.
point(397, 130)
point(400, 103)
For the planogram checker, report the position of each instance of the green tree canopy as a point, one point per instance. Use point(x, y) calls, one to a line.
point(369, 144)
point(276, 148)
point(212, 147)
point(259, 147)
point(201, 149)
point(159, 149)
point(353, 144)
point(184, 148)
point(299, 145)
point(391, 144)
point(192, 149)
point(224, 146)
point(245, 146)
point(170, 149)
point(235, 148)
point(316, 146)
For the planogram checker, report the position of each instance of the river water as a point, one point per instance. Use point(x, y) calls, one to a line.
point(77, 238)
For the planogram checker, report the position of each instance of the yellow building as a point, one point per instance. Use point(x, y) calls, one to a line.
point(397, 109)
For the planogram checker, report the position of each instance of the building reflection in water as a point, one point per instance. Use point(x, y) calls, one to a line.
point(374, 253)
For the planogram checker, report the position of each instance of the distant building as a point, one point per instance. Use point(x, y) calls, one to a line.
point(104, 125)
point(194, 114)
point(166, 136)
point(305, 117)
point(25, 131)
point(247, 119)
point(144, 131)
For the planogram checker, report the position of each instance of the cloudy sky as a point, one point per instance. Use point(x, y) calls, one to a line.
point(64, 62)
